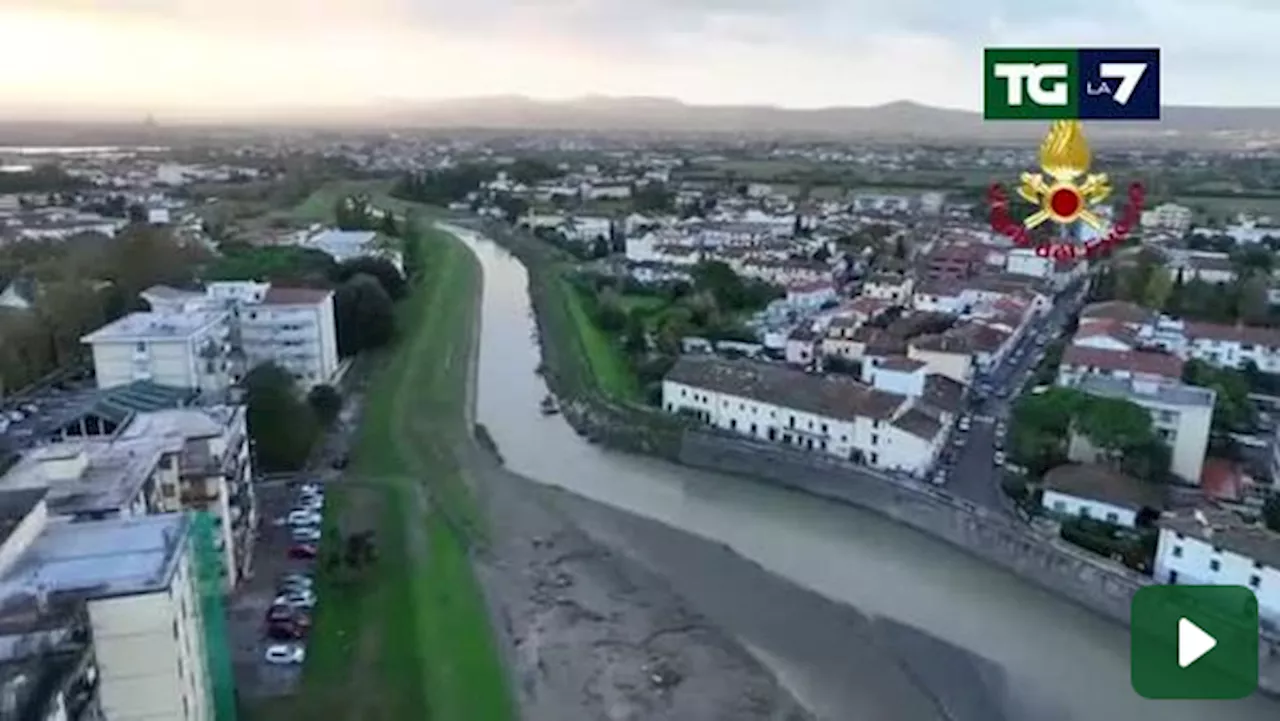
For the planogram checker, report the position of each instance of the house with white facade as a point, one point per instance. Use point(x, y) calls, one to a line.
point(345, 245)
point(1168, 216)
point(1180, 413)
point(1215, 547)
point(889, 286)
point(1081, 360)
point(1100, 493)
point(119, 597)
point(824, 414)
point(191, 349)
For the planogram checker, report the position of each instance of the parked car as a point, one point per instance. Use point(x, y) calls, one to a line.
point(285, 654)
point(302, 551)
point(940, 478)
point(964, 423)
point(302, 580)
point(310, 488)
point(306, 534)
point(285, 631)
point(279, 613)
point(304, 517)
point(999, 458)
point(297, 599)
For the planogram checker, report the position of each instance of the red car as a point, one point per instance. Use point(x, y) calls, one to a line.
point(302, 550)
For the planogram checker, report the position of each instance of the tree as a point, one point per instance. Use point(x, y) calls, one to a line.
point(635, 339)
point(283, 428)
point(1158, 287)
point(1041, 427)
point(364, 315)
point(1271, 513)
point(325, 402)
point(653, 198)
point(1232, 410)
point(389, 225)
point(383, 270)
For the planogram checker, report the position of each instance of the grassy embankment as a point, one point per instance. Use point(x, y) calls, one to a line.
point(410, 639)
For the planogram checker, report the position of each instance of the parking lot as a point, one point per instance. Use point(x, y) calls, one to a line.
point(259, 598)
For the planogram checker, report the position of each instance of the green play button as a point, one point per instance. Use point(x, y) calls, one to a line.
point(1194, 642)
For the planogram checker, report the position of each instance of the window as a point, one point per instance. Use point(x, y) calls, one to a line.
point(175, 629)
point(1084, 511)
point(1112, 517)
point(1177, 551)
point(1255, 581)
point(1217, 549)
point(875, 458)
point(1215, 564)
point(874, 439)
point(1060, 506)
point(186, 710)
point(824, 427)
point(141, 347)
point(180, 674)
point(1257, 564)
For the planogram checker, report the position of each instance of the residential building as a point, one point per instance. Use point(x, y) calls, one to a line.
point(187, 350)
point(825, 414)
point(955, 261)
point(344, 245)
point(194, 459)
point(1189, 265)
point(115, 608)
point(889, 286)
point(946, 354)
point(1080, 360)
point(208, 340)
point(1180, 414)
point(1168, 216)
point(1100, 493)
point(1214, 547)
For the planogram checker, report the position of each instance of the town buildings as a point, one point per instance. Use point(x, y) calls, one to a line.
point(102, 618)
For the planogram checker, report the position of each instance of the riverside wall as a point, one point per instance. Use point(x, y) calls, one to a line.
point(1045, 560)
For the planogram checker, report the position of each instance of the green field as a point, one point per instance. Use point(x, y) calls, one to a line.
point(1228, 204)
point(603, 357)
point(410, 639)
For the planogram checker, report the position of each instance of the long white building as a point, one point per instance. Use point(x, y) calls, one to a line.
point(116, 600)
point(903, 430)
point(1217, 548)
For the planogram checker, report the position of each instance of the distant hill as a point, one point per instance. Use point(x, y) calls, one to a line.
point(902, 119)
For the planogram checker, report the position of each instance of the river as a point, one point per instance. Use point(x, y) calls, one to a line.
point(1068, 655)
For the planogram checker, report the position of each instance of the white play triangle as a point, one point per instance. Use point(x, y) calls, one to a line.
point(1193, 643)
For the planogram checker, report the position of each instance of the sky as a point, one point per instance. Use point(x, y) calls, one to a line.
point(176, 57)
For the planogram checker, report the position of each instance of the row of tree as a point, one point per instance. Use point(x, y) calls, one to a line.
point(1148, 282)
point(443, 185)
point(283, 423)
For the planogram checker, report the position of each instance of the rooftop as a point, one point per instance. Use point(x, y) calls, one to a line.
point(829, 396)
point(14, 507)
point(1225, 529)
point(98, 559)
point(111, 477)
point(1101, 483)
point(295, 296)
point(1165, 392)
point(152, 325)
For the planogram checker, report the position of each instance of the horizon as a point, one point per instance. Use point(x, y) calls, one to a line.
point(241, 57)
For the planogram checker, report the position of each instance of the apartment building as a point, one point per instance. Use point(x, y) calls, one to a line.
point(1081, 360)
point(823, 414)
point(184, 350)
point(208, 340)
point(1180, 413)
point(1168, 216)
point(1215, 547)
point(106, 614)
point(1223, 346)
point(193, 459)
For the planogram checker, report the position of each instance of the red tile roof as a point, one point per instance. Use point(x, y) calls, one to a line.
point(1267, 337)
point(1221, 479)
point(1137, 362)
point(295, 296)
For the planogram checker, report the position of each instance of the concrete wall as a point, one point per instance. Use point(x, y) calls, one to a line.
point(1048, 561)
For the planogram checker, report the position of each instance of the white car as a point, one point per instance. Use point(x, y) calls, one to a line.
point(999, 458)
point(306, 534)
point(300, 580)
point(296, 599)
point(310, 488)
point(303, 517)
point(940, 478)
point(285, 654)
point(964, 423)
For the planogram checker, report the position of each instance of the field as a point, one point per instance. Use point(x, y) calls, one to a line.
point(1230, 205)
point(603, 357)
point(411, 638)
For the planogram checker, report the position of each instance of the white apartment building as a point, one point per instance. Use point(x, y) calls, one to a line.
point(1099, 493)
point(244, 324)
point(1168, 216)
point(194, 459)
point(184, 350)
point(1180, 413)
point(824, 414)
point(1215, 547)
point(135, 580)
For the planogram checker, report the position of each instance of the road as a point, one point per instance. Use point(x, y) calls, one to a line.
point(971, 471)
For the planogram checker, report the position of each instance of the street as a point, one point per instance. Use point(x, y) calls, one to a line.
point(971, 468)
